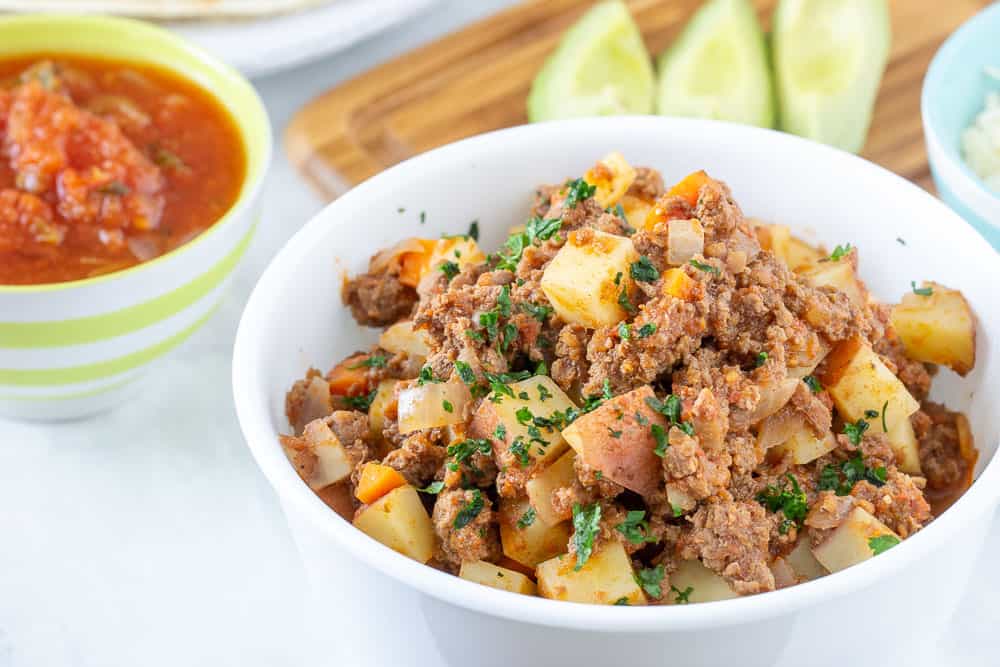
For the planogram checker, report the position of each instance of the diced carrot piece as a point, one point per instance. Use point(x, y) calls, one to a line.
point(349, 378)
point(677, 283)
point(413, 265)
point(689, 186)
point(376, 481)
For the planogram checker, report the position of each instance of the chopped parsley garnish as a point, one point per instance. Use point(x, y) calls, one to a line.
point(621, 602)
point(640, 419)
point(660, 435)
point(426, 375)
point(790, 502)
point(362, 402)
point(761, 359)
point(702, 266)
point(855, 431)
point(885, 406)
point(586, 524)
point(677, 510)
point(520, 450)
point(503, 301)
point(614, 433)
point(539, 311)
point(423, 217)
point(618, 278)
point(474, 335)
point(882, 543)
point(433, 488)
point(646, 330)
point(643, 270)
point(900, 240)
point(449, 269)
point(527, 518)
point(921, 291)
point(839, 252)
point(625, 302)
point(465, 372)
point(540, 229)
point(460, 451)
point(507, 336)
point(813, 384)
point(624, 331)
point(669, 408)
point(841, 479)
point(543, 393)
point(524, 415)
point(374, 361)
point(500, 432)
point(871, 414)
point(499, 381)
point(651, 580)
point(682, 597)
point(474, 230)
point(448, 407)
point(579, 190)
point(470, 511)
point(635, 528)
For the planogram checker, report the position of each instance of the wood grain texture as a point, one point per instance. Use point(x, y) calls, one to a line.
point(477, 80)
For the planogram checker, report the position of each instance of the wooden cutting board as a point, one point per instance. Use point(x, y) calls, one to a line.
point(477, 80)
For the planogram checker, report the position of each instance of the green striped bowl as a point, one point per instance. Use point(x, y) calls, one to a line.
point(68, 350)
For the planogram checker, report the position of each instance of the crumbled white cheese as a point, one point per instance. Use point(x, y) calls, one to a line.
point(981, 140)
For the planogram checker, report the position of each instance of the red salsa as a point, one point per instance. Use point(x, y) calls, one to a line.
point(104, 165)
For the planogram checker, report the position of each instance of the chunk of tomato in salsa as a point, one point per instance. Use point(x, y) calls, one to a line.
point(104, 165)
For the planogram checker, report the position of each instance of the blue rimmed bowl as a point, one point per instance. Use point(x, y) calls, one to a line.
point(954, 92)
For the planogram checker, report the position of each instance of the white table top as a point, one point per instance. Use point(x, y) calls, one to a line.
point(147, 536)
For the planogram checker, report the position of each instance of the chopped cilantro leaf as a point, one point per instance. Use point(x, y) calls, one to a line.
point(503, 301)
point(882, 543)
point(682, 597)
point(543, 393)
point(374, 361)
point(507, 336)
point(921, 291)
point(635, 528)
point(524, 415)
point(855, 431)
point(527, 518)
point(423, 217)
point(761, 359)
point(460, 451)
point(579, 190)
point(465, 372)
point(433, 488)
point(660, 435)
point(839, 252)
point(614, 433)
point(646, 330)
point(542, 230)
point(842, 479)
point(449, 269)
point(448, 407)
point(625, 302)
point(651, 580)
point(474, 230)
point(362, 402)
point(643, 270)
point(520, 450)
point(500, 432)
point(539, 311)
point(885, 406)
point(813, 384)
point(474, 335)
point(470, 511)
point(621, 602)
point(586, 525)
point(790, 502)
point(624, 331)
point(426, 375)
point(702, 266)
point(677, 510)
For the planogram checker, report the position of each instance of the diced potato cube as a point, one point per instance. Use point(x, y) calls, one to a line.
point(774, 238)
point(903, 441)
point(402, 338)
point(636, 210)
point(857, 380)
point(685, 239)
point(697, 583)
point(611, 177)
point(489, 574)
point(385, 396)
point(605, 578)
point(839, 274)
point(803, 361)
point(803, 446)
point(431, 405)
point(800, 256)
point(530, 542)
point(617, 439)
point(850, 542)
point(399, 521)
point(802, 561)
point(541, 486)
point(491, 414)
point(332, 462)
point(938, 329)
point(460, 250)
point(586, 278)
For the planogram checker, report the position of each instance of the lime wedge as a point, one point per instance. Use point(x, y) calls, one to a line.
point(718, 68)
point(829, 56)
point(600, 68)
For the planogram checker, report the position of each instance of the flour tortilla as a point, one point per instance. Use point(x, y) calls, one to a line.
point(164, 9)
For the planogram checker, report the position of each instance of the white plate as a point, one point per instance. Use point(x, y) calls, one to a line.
point(262, 46)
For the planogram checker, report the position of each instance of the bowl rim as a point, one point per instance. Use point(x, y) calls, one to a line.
point(935, 74)
point(256, 171)
point(252, 408)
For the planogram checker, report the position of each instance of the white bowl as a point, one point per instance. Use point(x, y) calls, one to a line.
point(878, 611)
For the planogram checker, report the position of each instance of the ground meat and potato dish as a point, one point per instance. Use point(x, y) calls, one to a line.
point(643, 397)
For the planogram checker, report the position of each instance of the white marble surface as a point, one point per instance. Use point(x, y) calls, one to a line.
point(147, 537)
